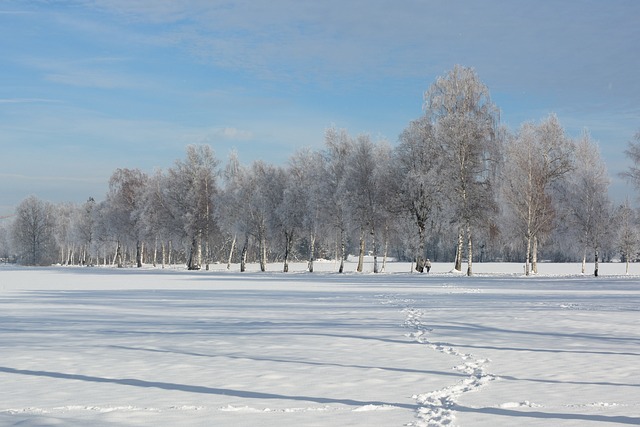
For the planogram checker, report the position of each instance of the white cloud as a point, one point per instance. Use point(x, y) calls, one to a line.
point(235, 134)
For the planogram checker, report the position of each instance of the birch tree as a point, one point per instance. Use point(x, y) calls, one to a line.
point(333, 191)
point(191, 194)
point(465, 119)
point(632, 174)
point(33, 232)
point(536, 158)
point(229, 208)
point(419, 182)
point(360, 192)
point(304, 187)
point(586, 194)
point(64, 215)
point(124, 199)
point(628, 233)
point(260, 205)
point(84, 229)
point(384, 193)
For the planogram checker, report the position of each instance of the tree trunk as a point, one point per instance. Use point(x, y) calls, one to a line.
point(458, 264)
point(263, 251)
point(233, 248)
point(207, 253)
point(343, 245)
point(386, 248)
point(243, 255)
point(626, 271)
point(374, 245)
point(528, 257)
point(419, 255)
point(584, 260)
point(312, 251)
point(138, 253)
point(195, 254)
point(164, 255)
point(534, 261)
point(288, 238)
point(361, 254)
point(595, 272)
point(119, 254)
point(469, 252)
point(155, 252)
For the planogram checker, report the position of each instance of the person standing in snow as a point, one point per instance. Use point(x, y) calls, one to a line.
point(427, 265)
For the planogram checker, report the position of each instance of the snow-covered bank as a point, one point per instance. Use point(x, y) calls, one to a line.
point(104, 347)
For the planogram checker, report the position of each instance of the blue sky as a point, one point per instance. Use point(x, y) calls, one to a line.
point(91, 86)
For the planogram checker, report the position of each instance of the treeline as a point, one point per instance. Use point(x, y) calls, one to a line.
point(456, 187)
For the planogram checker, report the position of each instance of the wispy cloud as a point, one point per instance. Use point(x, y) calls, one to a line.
point(70, 179)
point(29, 101)
point(553, 44)
point(97, 72)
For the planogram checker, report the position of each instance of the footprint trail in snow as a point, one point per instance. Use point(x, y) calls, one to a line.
point(437, 407)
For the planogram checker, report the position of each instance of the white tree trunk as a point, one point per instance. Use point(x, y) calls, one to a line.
point(164, 253)
point(155, 252)
point(527, 270)
point(534, 261)
point(374, 245)
point(469, 252)
point(361, 255)
point(386, 248)
point(626, 271)
point(458, 263)
point(263, 251)
point(312, 251)
point(233, 248)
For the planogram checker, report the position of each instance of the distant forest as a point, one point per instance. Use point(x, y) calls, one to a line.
point(457, 187)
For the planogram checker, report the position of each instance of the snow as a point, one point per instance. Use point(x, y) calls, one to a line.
point(129, 347)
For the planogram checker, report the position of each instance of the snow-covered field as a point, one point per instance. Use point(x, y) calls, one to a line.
point(150, 347)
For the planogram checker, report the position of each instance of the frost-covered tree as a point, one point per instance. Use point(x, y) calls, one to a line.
point(162, 222)
point(633, 153)
point(229, 207)
point(280, 202)
point(361, 193)
point(259, 192)
point(300, 206)
point(418, 180)
point(5, 243)
point(628, 233)
point(304, 187)
point(466, 121)
point(33, 232)
point(190, 194)
point(337, 150)
point(84, 230)
point(384, 192)
point(586, 196)
point(124, 200)
point(64, 216)
point(537, 158)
